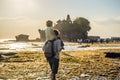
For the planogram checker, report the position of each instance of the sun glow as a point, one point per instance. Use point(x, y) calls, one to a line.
point(23, 6)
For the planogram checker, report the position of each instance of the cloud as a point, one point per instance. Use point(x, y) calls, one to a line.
point(14, 18)
point(115, 20)
point(105, 27)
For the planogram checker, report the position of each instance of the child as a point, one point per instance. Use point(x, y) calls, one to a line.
point(49, 32)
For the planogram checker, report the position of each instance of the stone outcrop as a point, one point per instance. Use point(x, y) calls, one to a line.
point(22, 37)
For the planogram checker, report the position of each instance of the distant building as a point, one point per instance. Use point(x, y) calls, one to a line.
point(22, 37)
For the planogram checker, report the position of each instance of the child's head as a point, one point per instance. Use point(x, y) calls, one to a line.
point(49, 23)
point(56, 32)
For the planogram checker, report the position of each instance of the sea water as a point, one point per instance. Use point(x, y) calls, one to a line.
point(13, 46)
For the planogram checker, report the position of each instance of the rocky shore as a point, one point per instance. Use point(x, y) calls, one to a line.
point(74, 65)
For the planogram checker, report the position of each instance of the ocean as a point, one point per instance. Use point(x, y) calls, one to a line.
point(7, 45)
point(10, 45)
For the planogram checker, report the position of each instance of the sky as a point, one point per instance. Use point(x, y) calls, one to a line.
point(27, 16)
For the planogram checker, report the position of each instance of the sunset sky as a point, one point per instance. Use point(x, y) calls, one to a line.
point(27, 16)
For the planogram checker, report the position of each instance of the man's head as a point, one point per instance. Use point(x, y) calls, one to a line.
point(56, 32)
point(49, 23)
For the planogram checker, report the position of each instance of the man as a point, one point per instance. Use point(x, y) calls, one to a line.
point(54, 60)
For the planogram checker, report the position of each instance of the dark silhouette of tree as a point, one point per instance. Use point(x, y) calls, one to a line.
point(82, 26)
point(73, 30)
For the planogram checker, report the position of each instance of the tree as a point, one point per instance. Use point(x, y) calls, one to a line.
point(82, 27)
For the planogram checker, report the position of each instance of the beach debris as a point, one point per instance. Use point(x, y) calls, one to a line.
point(83, 46)
point(11, 79)
point(9, 55)
point(75, 78)
point(1, 65)
point(12, 56)
point(43, 78)
point(84, 75)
